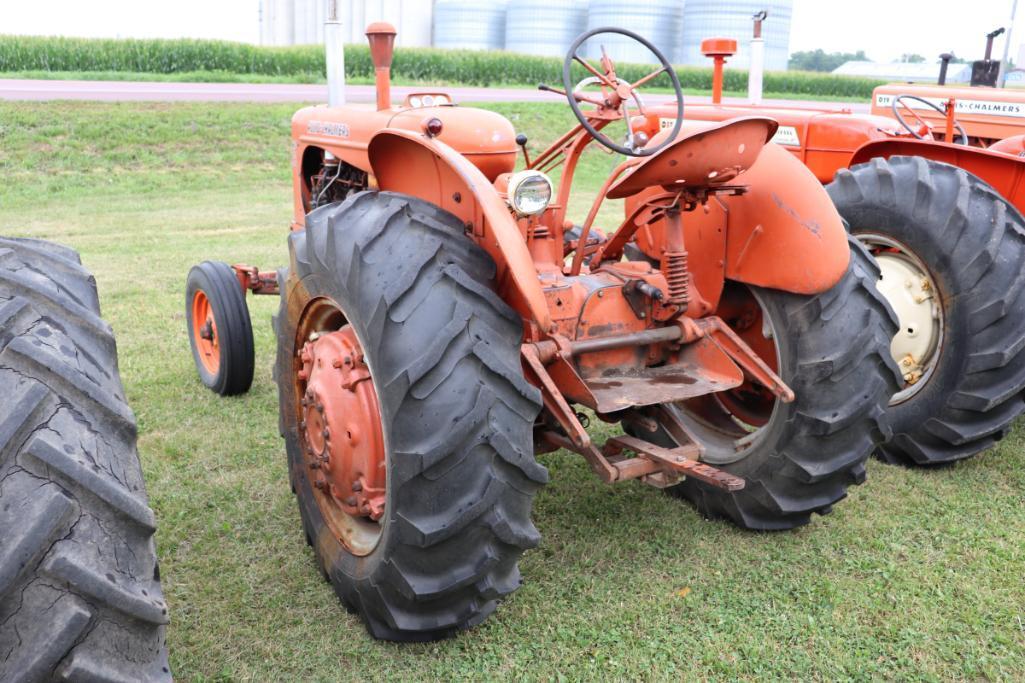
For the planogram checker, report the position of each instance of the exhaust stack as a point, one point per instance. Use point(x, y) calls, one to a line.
point(334, 54)
point(381, 36)
point(757, 62)
point(944, 64)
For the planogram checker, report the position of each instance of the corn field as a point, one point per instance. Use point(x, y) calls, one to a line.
point(412, 65)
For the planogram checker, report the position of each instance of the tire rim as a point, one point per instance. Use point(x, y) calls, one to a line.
point(204, 332)
point(340, 430)
point(731, 423)
point(910, 289)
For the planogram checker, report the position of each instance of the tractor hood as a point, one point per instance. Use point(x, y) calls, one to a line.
point(485, 138)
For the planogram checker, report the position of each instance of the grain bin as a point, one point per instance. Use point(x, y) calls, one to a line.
point(658, 21)
point(715, 18)
point(544, 27)
point(469, 24)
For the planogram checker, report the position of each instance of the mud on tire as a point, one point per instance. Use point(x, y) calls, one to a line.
point(80, 595)
point(836, 359)
point(457, 414)
point(973, 243)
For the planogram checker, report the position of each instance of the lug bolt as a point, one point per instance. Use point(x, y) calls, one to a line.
point(351, 500)
point(320, 484)
point(357, 486)
point(326, 433)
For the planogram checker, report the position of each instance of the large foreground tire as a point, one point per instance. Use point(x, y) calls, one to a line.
point(455, 411)
point(80, 595)
point(832, 349)
point(930, 216)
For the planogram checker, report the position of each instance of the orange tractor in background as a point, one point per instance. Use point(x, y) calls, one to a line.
point(442, 321)
point(941, 213)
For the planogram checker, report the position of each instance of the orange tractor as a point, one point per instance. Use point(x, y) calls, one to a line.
point(442, 322)
point(942, 216)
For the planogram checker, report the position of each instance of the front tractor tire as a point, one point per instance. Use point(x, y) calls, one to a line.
point(420, 529)
point(80, 596)
point(952, 257)
point(220, 330)
point(797, 458)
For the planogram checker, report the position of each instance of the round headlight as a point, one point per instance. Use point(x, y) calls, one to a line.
point(530, 192)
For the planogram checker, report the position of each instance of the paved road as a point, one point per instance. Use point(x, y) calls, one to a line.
point(110, 91)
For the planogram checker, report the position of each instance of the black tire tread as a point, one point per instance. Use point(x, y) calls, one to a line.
point(447, 566)
point(234, 327)
point(80, 596)
point(981, 241)
point(843, 380)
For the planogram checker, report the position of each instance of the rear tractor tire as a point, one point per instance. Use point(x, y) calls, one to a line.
point(952, 259)
point(220, 331)
point(80, 595)
point(797, 458)
point(406, 417)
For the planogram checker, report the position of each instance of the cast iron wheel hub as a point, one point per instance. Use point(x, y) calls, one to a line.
point(341, 425)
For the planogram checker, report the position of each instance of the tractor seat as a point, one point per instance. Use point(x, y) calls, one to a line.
point(710, 157)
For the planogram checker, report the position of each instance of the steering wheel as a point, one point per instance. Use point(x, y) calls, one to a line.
point(924, 128)
point(617, 93)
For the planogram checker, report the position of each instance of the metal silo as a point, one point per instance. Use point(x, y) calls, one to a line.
point(657, 20)
point(715, 18)
point(469, 24)
point(411, 18)
point(544, 27)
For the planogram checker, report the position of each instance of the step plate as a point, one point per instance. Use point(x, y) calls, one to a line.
point(703, 369)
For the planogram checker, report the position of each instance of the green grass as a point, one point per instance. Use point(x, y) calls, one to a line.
point(918, 575)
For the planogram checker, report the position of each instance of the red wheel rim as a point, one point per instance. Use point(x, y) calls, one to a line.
point(733, 422)
point(204, 332)
point(751, 403)
point(340, 428)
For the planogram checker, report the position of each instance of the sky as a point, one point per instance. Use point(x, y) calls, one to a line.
point(885, 29)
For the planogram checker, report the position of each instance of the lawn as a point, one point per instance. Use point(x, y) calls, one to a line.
point(918, 575)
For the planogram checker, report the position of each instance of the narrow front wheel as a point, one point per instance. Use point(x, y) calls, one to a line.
point(220, 332)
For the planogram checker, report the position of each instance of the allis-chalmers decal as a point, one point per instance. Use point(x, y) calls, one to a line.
point(983, 107)
point(340, 130)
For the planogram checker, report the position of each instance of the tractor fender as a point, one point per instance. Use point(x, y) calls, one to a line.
point(1001, 171)
point(413, 164)
point(783, 232)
